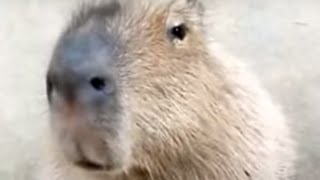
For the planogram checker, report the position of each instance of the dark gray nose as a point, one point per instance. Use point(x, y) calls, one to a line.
point(81, 69)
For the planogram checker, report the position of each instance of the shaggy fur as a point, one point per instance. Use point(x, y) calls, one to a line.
point(193, 112)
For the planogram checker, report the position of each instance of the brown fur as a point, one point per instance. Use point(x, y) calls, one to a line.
point(194, 113)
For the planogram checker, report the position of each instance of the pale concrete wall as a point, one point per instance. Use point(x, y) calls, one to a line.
point(280, 39)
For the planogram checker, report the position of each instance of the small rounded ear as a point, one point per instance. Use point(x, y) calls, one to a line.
point(192, 10)
point(196, 5)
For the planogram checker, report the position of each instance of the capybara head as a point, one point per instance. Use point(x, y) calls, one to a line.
point(128, 79)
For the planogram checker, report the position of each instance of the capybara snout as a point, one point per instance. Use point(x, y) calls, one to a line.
point(84, 100)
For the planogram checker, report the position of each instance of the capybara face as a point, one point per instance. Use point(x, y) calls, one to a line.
point(123, 75)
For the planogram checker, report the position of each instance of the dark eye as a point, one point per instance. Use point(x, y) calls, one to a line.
point(179, 31)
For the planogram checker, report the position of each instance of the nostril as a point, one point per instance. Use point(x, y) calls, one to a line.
point(98, 83)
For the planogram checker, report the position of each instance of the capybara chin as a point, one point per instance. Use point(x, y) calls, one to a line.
point(137, 91)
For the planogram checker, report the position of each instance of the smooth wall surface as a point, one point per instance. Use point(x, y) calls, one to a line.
point(280, 40)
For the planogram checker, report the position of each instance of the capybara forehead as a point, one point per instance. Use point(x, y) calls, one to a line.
point(138, 31)
point(116, 14)
point(124, 22)
point(131, 19)
point(133, 25)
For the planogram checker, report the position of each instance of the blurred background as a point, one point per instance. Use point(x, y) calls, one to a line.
point(279, 39)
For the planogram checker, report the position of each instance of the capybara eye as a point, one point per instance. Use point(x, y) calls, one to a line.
point(179, 31)
point(98, 83)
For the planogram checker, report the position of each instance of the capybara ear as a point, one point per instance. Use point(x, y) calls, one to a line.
point(192, 10)
point(197, 5)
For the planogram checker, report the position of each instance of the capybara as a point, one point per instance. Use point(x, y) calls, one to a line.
point(136, 91)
